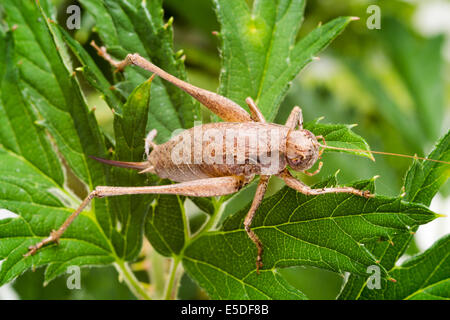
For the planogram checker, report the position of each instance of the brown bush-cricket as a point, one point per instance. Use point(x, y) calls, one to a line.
point(295, 147)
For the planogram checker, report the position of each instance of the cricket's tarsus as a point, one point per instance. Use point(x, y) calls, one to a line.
point(299, 149)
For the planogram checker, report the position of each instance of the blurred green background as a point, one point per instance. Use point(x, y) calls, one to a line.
point(393, 82)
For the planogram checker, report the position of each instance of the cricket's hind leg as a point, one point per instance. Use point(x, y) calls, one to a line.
point(256, 114)
point(295, 118)
point(221, 106)
point(198, 188)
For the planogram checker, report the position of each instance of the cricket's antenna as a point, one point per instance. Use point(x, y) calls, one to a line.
point(383, 153)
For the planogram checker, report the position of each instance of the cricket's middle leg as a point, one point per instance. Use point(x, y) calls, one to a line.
point(259, 196)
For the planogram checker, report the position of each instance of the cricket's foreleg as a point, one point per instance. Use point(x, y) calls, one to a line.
point(259, 195)
point(198, 188)
point(223, 107)
point(254, 110)
point(314, 172)
point(295, 118)
point(303, 188)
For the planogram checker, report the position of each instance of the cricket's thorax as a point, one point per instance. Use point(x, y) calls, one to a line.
point(222, 149)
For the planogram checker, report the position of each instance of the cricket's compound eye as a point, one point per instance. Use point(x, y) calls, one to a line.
point(302, 150)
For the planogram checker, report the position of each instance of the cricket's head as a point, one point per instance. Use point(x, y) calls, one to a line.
point(302, 149)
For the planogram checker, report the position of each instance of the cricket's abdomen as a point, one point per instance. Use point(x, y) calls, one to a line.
point(222, 149)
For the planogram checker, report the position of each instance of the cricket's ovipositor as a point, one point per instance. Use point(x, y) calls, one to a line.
point(218, 159)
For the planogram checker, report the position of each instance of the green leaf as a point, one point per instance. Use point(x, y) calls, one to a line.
point(260, 55)
point(292, 228)
point(341, 136)
point(166, 226)
point(31, 191)
point(424, 178)
point(422, 182)
point(204, 204)
point(92, 73)
point(423, 277)
point(220, 284)
point(191, 10)
point(19, 132)
point(40, 205)
point(57, 98)
point(138, 27)
point(130, 132)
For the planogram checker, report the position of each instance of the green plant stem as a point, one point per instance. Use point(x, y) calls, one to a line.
point(131, 281)
point(212, 220)
point(172, 276)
